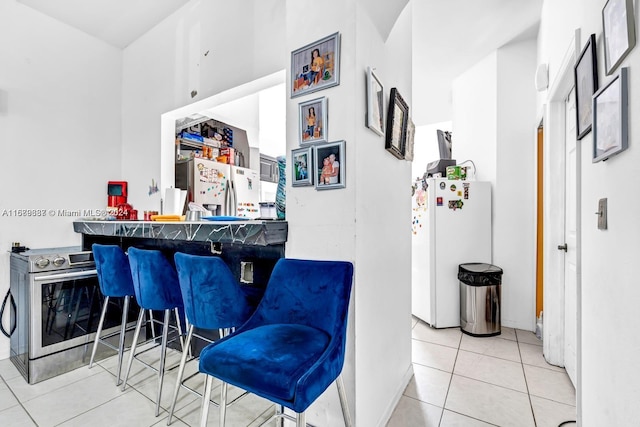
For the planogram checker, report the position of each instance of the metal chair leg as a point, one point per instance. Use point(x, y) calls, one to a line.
point(343, 401)
point(301, 419)
point(223, 403)
point(183, 362)
point(206, 395)
point(99, 331)
point(279, 418)
point(123, 332)
point(179, 326)
point(132, 354)
point(163, 355)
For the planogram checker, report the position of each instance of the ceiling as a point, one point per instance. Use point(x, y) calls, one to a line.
point(117, 22)
point(449, 36)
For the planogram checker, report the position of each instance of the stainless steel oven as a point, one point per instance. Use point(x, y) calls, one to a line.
point(57, 309)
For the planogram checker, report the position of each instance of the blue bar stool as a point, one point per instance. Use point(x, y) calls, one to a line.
point(292, 348)
point(156, 286)
point(114, 278)
point(212, 300)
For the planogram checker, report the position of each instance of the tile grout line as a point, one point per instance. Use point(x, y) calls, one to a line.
point(19, 402)
point(450, 380)
point(526, 383)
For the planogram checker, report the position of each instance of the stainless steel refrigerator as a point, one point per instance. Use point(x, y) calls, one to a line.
point(221, 188)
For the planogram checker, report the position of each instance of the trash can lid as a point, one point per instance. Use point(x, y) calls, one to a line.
point(479, 274)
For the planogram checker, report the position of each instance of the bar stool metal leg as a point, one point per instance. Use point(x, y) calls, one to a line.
point(343, 401)
point(123, 331)
point(183, 362)
point(301, 419)
point(206, 395)
point(136, 335)
point(99, 331)
point(163, 354)
point(279, 418)
point(223, 403)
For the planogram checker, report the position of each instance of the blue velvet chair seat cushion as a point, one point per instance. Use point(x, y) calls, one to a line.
point(268, 360)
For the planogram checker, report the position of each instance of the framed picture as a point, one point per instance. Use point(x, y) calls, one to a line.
point(610, 118)
point(586, 83)
point(313, 121)
point(375, 103)
point(329, 160)
point(619, 31)
point(397, 119)
point(301, 161)
point(411, 131)
point(316, 66)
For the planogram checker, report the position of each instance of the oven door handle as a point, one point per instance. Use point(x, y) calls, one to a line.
point(61, 276)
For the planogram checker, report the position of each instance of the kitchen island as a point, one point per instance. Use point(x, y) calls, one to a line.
point(250, 248)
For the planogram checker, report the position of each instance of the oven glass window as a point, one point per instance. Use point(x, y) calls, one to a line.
point(72, 308)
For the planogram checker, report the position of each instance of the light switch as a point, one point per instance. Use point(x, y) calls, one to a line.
point(602, 214)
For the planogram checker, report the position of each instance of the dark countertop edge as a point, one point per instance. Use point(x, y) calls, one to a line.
point(274, 232)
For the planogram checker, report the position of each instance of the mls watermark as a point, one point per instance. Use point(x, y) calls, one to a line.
point(73, 213)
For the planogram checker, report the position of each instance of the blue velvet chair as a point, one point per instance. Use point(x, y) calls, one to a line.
point(114, 278)
point(292, 348)
point(213, 300)
point(156, 287)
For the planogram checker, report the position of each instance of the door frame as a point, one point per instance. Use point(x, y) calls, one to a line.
point(553, 219)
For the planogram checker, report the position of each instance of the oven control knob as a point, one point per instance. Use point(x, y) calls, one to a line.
point(58, 261)
point(42, 262)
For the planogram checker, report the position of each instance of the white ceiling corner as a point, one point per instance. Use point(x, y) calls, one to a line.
point(117, 22)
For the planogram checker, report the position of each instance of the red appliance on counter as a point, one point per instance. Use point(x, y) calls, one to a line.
point(117, 193)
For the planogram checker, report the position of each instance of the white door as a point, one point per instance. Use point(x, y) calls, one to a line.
point(571, 238)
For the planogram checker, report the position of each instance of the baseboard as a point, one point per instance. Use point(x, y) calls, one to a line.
point(386, 416)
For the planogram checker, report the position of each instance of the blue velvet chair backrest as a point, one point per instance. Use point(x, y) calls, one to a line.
point(212, 297)
point(307, 292)
point(155, 280)
point(114, 274)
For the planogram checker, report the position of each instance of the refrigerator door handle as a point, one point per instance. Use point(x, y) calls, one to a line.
point(233, 197)
point(227, 195)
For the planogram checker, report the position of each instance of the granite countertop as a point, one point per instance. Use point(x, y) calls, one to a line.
point(250, 232)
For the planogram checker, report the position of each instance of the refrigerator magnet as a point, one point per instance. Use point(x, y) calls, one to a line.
point(438, 201)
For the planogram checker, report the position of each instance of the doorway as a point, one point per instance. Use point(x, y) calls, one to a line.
point(562, 298)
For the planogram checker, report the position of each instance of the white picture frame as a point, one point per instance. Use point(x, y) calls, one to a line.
point(375, 103)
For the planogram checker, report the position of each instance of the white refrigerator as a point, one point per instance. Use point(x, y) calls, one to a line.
point(451, 226)
point(229, 190)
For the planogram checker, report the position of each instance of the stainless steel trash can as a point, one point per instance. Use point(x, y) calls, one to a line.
point(480, 290)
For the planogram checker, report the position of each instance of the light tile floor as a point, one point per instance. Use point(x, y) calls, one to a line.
point(461, 380)
point(458, 381)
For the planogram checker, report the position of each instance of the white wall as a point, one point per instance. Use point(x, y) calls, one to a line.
point(60, 128)
point(475, 121)
point(514, 215)
point(383, 229)
point(493, 125)
point(609, 286)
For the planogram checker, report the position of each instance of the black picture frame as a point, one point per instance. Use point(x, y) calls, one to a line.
point(397, 120)
point(585, 75)
point(611, 117)
point(619, 32)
